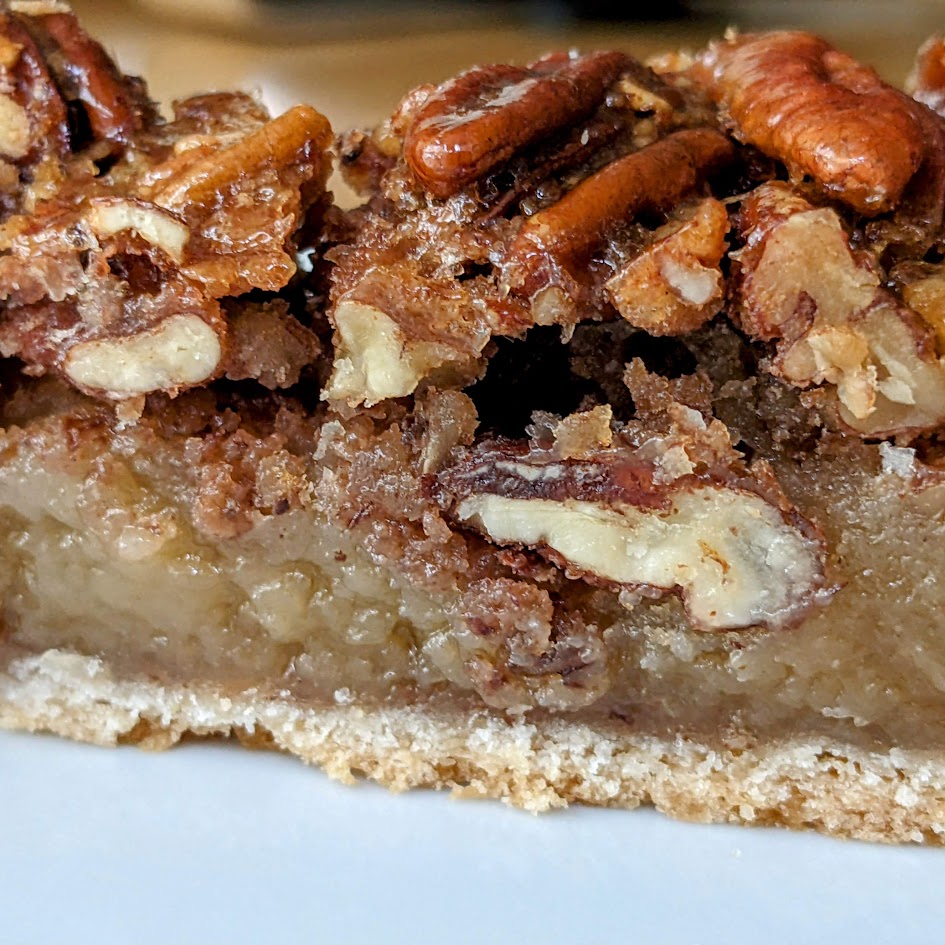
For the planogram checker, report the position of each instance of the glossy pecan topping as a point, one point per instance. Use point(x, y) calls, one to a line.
point(821, 113)
point(482, 117)
point(554, 244)
point(33, 111)
point(88, 77)
point(69, 89)
point(128, 229)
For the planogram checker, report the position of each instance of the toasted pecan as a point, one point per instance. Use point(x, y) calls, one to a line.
point(926, 82)
point(88, 75)
point(826, 116)
point(728, 543)
point(555, 242)
point(25, 82)
point(798, 282)
point(482, 117)
point(110, 274)
point(676, 284)
point(298, 134)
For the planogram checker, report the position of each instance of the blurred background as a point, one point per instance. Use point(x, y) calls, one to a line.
point(353, 59)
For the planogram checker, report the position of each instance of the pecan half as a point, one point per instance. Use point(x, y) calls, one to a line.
point(675, 285)
point(729, 544)
point(799, 283)
point(797, 99)
point(482, 117)
point(554, 244)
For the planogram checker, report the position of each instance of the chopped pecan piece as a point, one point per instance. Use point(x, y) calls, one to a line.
point(923, 290)
point(729, 544)
point(244, 198)
point(555, 244)
point(584, 433)
point(385, 352)
point(482, 117)
point(87, 77)
point(926, 82)
point(675, 285)
point(179, 351)
point(32, 112)
point(799, 283)
point(59, 90)
point(797, 99)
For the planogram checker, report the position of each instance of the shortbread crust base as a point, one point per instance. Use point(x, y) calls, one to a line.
point(533, 763)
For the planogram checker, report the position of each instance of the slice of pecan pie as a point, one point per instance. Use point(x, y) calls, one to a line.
point(595, 457)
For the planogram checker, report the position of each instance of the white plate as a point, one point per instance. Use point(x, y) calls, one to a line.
point(212, 843)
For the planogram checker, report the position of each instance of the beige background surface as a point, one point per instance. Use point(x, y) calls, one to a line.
point(183, 46)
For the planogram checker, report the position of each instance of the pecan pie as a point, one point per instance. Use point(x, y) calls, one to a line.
point(595, 456)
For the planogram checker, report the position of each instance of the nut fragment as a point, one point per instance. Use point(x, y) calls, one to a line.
point(179, 352)
point(448, 419)
point(88, 75)
point(244, 199)
point(372, 360)
point(737, 557)
point(108, 216)
point(298, 133)
point(386, 342)
point(926, 83)
point(553, 244)
point(29, 94)
point(799, 283)
point(479, 119)
point(675, 285)
point(823, 114)
point(377, 359)
point(926, 295)
point(584, 433)
point(14, 129)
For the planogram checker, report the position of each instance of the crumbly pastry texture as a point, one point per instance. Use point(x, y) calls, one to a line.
point(537, 764)
point(595, 456)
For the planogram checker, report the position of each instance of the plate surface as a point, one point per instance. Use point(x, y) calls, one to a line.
point(213, 843)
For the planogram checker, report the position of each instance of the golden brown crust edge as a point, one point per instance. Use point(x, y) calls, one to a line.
point(894, 796)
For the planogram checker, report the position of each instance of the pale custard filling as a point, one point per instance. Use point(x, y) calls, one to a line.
point(111, 566)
